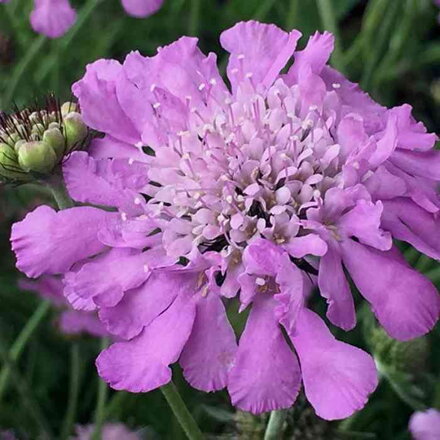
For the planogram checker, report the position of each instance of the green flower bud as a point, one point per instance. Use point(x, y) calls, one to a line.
point(74, 129)
point(9, 168)
point(37, 156)
point(55, 139)
point(68, 107)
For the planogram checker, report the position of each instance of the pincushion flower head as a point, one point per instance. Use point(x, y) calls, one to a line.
point(257, 192)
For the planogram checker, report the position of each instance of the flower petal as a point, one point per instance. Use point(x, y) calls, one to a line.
point(337, 376)
point(52, 18)
point(73, 322)
point(50, 242)
point(425, 425)
point(265, 375)
point(142, 364)
point(261, 50)
point(336, 290)
point(404, 301)
point(210, 351)
point(141, 8)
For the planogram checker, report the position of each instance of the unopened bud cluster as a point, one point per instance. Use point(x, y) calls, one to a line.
point(33, 142)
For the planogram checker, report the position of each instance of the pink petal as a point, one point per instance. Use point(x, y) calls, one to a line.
point(210, 351)
point(404, 301)
point(335, 288)
point(310, 244)
point(141, 8)
point(258, 49)
point(50, 242)
point(142, 364)
point(425, 425)
point(337, 377)
point(52, 18)
point(73, 322)
point(266, 374)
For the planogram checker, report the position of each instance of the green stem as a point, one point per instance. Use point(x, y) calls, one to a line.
point(193, 26)
point(275, 426)
point(181, 412)
point(27, 397)
point(60, 195)
point(19, 344)
point(72, 405)
point(64, 43)
point(22, 66)
point(328, 18)
point(101, 400)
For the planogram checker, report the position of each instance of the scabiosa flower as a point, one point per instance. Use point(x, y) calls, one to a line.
point(251, 192)
point(70, 321)
point(425, 425)
point(110, 431)
point(35, 141)
point(52, 18)
point(141, 8)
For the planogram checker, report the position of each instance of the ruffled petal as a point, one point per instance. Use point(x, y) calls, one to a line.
point(316, 54)
point(266, 374)
point(310, 244)
point(335, 289)
point(52, 18)
point(257, 51)
point(363, 222)
point(210, 351)
point(142, 364)
point(141, 8)
point(141, 306)
point(410, 223)
point(109, 147)
point(100, 108)
point(404, 301)
point(107, 277)
point(338, 377)
point(50, 242)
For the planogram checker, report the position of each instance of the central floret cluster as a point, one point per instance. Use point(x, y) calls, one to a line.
point(250, 169)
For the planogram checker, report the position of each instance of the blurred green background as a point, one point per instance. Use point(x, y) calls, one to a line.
point(392, 47)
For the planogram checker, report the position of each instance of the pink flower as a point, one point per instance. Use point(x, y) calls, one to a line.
point(141, 8)
point(52, 18)
point(110, 431)
point(70, 321)
point(425, 425)
point(254, 191)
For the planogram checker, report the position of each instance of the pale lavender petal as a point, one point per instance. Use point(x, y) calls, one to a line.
point(73, 322)
point(49, 287)
point(107, 277)
point(425, 425)
point(50, 242)
point(257, 51)
point(100, 108)
point(266, 374)
point(210, 351)
point(52, 18)
point(142, 364)
point(310, 244)
point(338, 377)
point(108, 147)
point(334, 287)
point(363, 222)
point(404, 301)
point(141, 8)
point(141, 306)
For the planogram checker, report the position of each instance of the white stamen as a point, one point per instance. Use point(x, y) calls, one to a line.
point(336, 85)
point(260, 281)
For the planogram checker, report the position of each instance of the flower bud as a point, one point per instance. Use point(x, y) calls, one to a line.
point(68, 107)
point(9, 168)
point(37, 156)
point(55, 139)
point(74, 129)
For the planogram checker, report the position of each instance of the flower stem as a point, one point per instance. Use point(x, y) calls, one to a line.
point(275, 426)
point(19, 344)
point(72, 405)
point(101, 400)
point(20, 70)
point(60, 195)
point(181, 412)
